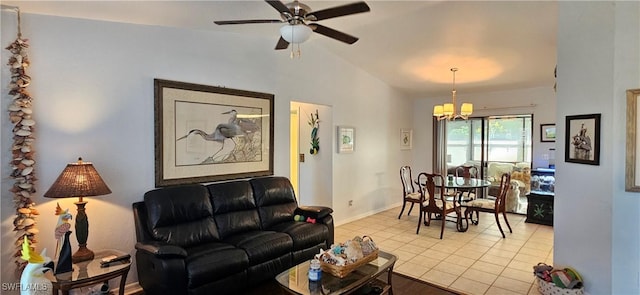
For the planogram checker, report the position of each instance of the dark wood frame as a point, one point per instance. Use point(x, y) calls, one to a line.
point(569, 135)
point(543, 127)
point(165, 119)
point(631, 165)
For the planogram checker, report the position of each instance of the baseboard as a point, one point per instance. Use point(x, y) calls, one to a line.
point(368, 213)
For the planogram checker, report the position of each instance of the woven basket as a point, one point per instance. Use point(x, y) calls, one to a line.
point(343, 271)
point(549, 288)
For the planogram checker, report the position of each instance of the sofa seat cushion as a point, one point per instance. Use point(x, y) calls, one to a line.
point(304, 234)
point(213, 261)
point(261, 246)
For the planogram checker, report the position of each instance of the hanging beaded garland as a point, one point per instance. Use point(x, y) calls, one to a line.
point(23, 162)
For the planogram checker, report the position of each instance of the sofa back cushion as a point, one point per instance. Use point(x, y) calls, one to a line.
point(275, 199)
point(181, 215)
point(234, 208)
point(496, 169)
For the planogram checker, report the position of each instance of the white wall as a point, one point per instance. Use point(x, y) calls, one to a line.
point(598, 59)
point(93, 95)
point(537, 101)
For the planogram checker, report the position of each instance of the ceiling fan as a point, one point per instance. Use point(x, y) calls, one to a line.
point(299, 16)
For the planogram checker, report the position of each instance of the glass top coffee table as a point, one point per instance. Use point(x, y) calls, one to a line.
point(296, 279)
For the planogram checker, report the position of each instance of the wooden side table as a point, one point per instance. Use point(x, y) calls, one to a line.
point(89, 273)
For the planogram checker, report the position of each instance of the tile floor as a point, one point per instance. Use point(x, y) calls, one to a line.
point(478, 261)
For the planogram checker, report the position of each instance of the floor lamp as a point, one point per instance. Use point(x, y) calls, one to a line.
point(80, 180)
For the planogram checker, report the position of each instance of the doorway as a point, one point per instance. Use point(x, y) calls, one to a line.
point(311, 173)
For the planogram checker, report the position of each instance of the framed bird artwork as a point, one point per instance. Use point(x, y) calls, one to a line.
point(209, 133)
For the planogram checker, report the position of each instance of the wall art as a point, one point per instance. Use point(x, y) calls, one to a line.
point(406, 139)
point(632, 163)
point(547, 132)
point(209, 133)
point(346, 139)
point(583, 139)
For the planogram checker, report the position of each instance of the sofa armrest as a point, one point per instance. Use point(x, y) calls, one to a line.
point(161, 268)
point(161, 250)
point(318, 211)
point(322, 215)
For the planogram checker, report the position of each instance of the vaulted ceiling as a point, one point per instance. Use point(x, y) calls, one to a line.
point(411, 45)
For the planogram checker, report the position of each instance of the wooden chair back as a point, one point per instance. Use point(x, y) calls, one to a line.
point(433, 201)
point(501, 199)
point(407, 180)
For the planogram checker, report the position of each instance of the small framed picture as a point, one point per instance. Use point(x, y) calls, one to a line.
point(346, 139)
point(406, 139)
point(547, 132)
point(582, 143)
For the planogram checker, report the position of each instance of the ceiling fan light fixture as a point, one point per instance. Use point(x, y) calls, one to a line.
point(295, 34)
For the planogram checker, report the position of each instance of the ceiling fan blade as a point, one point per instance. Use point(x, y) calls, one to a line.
point(279, 6)
point(247, 21)
point(331, 33)
point(282, 44)
point(337, 11)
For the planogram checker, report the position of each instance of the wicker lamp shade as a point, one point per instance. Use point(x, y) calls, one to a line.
point(79, 179)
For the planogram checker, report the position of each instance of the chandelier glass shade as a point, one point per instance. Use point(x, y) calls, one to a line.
point(448, 110)
point(295, 34)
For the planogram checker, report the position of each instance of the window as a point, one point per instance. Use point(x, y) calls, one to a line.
point(508, 139)
point(464, 141)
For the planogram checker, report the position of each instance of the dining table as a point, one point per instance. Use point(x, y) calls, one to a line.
point(461, 185)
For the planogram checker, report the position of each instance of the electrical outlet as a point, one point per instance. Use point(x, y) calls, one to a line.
point(350, 202)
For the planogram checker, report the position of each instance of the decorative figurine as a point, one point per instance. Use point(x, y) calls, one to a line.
point(63, 246)
point(33, 281)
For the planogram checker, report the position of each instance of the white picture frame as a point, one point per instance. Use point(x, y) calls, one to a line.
point(346, 139)
point(406, 139)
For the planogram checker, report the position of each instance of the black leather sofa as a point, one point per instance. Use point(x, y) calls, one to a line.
point(222, 238)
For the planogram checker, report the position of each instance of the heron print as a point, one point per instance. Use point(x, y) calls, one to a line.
point(215, 134)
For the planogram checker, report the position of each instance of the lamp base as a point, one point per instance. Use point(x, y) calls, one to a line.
point(83, 254)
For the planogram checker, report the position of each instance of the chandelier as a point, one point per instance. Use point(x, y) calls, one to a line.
point(448, 110)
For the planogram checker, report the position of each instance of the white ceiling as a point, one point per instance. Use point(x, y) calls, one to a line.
point(411, 45)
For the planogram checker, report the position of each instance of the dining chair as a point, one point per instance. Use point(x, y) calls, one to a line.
point(495, 206)
point(409, 193)
point(467, 172)
point(433, 201)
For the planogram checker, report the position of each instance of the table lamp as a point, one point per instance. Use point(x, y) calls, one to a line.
point(79, 180)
